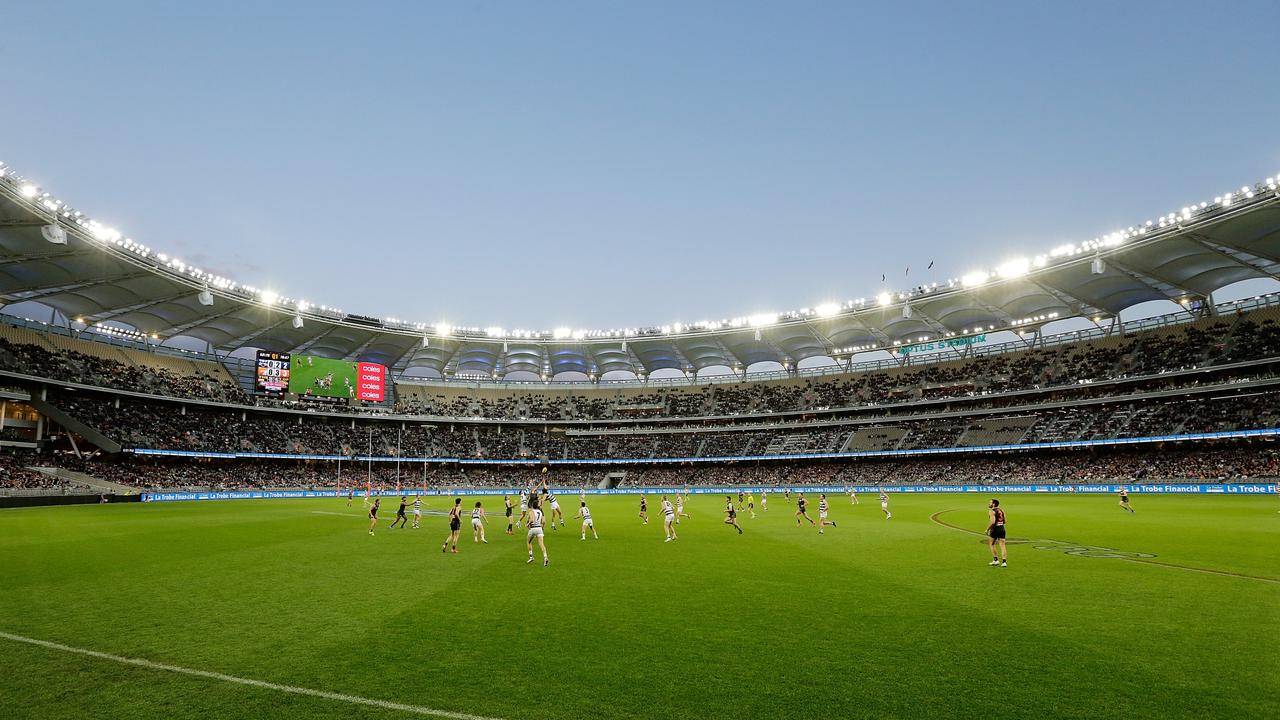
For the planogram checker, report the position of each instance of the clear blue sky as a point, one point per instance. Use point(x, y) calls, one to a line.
point(605, 164)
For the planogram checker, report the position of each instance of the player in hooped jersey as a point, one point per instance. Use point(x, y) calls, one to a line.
point(884, 504)
point(822, 514)
point(417, 511)
point(585, 513)
point(535, 531)
point(668, 519)
point(524, 508)
point(478, 521)
point(995, 533)
point(680, 513)
point(555, 506)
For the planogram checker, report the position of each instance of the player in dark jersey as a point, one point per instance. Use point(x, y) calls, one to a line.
point(1124, 500)
point(740, 500)
point(351, 495)
point(995, 533)
point(373, 514)
point(786, 494)
point(644, 509)
point(801, 504)
point(400, 516)
point(455, 524)
point(731, 515)
point(506, 500)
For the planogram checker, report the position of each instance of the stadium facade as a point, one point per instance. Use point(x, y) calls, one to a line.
point(93, 386)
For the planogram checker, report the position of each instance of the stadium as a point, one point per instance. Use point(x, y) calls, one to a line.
point(219, 500)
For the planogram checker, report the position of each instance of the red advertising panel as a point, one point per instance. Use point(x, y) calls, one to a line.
point(371, 382)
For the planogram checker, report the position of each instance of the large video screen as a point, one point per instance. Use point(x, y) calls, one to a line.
point(322, 377)
point(272, 377)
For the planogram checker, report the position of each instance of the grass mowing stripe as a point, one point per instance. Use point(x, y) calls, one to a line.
point(353, 699)
point(1146, 561)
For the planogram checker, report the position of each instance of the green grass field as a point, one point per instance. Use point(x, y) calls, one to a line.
point(303, 377)
point(875, 619)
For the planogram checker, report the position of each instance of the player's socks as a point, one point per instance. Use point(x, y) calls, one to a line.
point(833, 523)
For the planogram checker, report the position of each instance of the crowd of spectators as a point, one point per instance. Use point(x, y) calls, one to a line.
point(1062, 367)
point(72, 366)
point(159, 425)
point(15, 472)
point(1223, 342)
point(1202, 463)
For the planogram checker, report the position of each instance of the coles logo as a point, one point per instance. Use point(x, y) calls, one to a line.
point(371, 382)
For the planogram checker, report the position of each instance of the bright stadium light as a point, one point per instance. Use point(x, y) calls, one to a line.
point(269, 297)
point(884, 298)
point(561, 333)
point(763, 319)
point(827, 309)
point(974, 278)
point(28, 190)
point(494, 332)
point(443, 329)
point(1014, 268)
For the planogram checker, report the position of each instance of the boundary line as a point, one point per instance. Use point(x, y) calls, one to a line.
point(1188, 568)
point(309, 692)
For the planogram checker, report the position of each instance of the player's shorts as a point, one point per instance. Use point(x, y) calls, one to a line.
point(997, 532)
point(884, 506)
point(669, 518)
point(508, 512)
point(475, 523)
point(523, 508)
point(399, 514)
point(534, 532)
point(417, 513)
point(555, 505)
point(822, 516)
point(751, 505)
point(588, 523)
point(454, 524)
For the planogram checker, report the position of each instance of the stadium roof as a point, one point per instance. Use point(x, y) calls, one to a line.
point(92, 273)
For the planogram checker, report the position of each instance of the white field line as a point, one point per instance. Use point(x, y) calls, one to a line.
point(324, 694)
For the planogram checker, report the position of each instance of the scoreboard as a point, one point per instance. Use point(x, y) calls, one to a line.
point(272, 376)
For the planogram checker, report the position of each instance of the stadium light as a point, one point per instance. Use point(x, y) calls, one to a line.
point(975, 278)
point(763, 319)
point(269, 297)
point(28, 190)
point(1014, 268)
point(884, 298)
point(53, 233)
point(561, 333)
point(827, 309)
